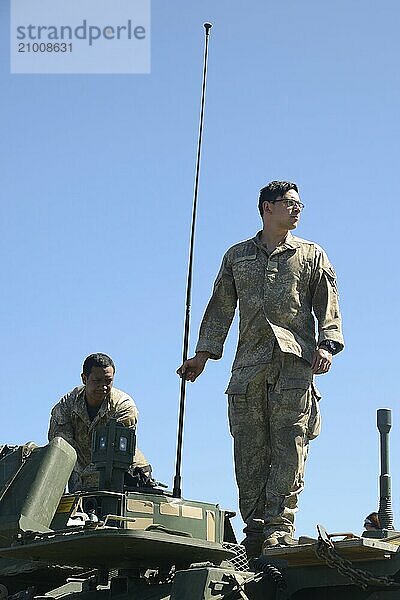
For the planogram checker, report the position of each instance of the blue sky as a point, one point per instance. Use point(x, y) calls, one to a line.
point(96, 191)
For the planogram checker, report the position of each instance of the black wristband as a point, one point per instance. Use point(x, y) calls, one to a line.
point(329, 345)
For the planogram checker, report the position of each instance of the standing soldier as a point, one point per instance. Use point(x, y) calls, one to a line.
point(281, 282)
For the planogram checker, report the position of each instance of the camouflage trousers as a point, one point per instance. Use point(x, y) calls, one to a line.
point(273, 413)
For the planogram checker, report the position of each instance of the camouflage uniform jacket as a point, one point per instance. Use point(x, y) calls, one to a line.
point(278, 294)
point(70, 420)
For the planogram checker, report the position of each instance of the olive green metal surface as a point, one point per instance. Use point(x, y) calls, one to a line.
point(112, 548)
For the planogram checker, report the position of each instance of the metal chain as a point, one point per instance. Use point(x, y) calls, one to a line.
point(265, 569)
point(325, 550)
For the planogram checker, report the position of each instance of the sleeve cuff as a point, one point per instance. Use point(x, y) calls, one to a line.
point(207, 346)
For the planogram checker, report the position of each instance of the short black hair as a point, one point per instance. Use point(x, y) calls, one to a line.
point(97, 360)
point(274, 190)
point(373, 519)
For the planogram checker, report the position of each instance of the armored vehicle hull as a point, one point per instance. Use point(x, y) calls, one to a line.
point(147, 544)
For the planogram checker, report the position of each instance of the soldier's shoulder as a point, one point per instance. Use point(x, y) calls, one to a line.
point(119, 396)
point(308, 244)
point(246, 247)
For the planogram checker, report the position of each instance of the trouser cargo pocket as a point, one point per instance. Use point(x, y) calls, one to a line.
point(314, 422)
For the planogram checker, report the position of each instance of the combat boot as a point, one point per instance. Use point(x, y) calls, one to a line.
point(277, 539)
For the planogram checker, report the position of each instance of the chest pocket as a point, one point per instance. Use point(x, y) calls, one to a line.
point(246, 272)
point(293, 270)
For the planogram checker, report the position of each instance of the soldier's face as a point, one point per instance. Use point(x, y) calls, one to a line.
point(278, 213)
point(98, 383)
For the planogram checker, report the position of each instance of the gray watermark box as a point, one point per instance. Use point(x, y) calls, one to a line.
point(80, 36)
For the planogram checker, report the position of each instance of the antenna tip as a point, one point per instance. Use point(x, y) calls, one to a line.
point(207, 26)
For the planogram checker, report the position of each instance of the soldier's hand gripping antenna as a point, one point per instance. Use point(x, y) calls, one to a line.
point(177, 480)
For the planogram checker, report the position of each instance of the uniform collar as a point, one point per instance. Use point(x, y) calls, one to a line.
point(289, 242)
point(80, 404)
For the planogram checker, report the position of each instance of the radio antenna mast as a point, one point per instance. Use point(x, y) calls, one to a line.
point(176, 493)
